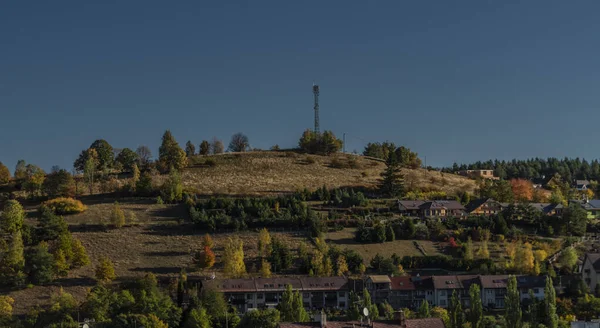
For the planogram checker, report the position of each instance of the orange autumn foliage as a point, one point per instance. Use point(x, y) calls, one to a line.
point(522, 189)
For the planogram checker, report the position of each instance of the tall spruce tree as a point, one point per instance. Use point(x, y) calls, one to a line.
point(513, 304)
point(476, 311)
point(170, 155)
point(392, 180)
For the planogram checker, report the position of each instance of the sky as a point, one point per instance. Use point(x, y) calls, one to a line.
point(456, 81)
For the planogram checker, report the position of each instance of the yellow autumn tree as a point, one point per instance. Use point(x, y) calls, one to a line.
point(524, 258)
point(265, 269)
point(342, 266)
point(105, 271)
point(233, 257)
point(264, 243)
point(6, 307)
point(207, 241)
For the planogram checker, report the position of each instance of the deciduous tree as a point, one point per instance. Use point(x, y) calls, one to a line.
point(551, 318)
point(170, 155)
point(512, 302)
point(20, 172)
point(144, 155)
point(197, 318)
point(80, 257)
point(291, 306)
point(216, 146)
point(233, 256)
point(456, 312)
point(105, 271)
point(127, 158)
point(522, 189)
point(476, 313)
point(105, 152)
point(34, 179)
point(12, 217)
point(205, 259)
point(341, 265)
point(172, 190)
point(59, 184)
point(567, 259)
point(13, 261)
point(265, 269)
point(424, 310)
point(239, 143)
point(190, 149)
point(207, 241)
point(117, 216)
point(267, 318)
point(4, 174)
point(264, 243)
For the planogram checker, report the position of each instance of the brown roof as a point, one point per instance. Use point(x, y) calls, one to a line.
point(446, 282)
point(410, 323)
point(467, 280)
point(422, 282)
point(411, 204)
point(379, 279)
point(402, 283)
point(494, 281)
point(323, 283)
point(278, 284)
point(447, 204)
point(231, 285)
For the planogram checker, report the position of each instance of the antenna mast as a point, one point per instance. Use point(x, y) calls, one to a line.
point(316, 93)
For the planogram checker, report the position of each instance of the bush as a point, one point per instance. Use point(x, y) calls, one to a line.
point(63, 205)
point(210, 162)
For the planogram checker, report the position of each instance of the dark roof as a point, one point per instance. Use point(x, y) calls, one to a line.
point(410, 323)
point(595, 259)
point(411, 204)
point(402, 283)
point(543, 207)
point(447, 204)
point(424, 282)
point(278, 284)
point(467, 280)
point(531, 282)
point(446, 282)
point(323, 283)
point(476, 203)
point(494, 281)
point(230, 285)
point(595, 203)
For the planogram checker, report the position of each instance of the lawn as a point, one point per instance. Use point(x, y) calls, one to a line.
point(345, 239)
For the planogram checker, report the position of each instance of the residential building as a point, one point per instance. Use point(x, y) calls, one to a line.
point(255, 293)
point(582, 185)
point(400, 321)
point(585, 324)
point(402, 292)
point(493, 290)
point(592, 207)
point(379, 287)
point(481, 174)
point(590, 272)
point(431, 208)
point(484, 206)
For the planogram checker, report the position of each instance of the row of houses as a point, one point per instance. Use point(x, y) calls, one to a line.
point(401, 292)
point(484, 206)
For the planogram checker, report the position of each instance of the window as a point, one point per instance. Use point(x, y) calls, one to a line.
point(442, 302)
point(259, 296)
point(249, 296)
point(442, 293)
point(536, 290)
point(306, 295)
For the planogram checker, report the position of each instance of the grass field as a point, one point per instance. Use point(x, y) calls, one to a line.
point(345, 239)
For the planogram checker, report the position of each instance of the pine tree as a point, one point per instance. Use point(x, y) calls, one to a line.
point(170, 155)
point(204, 147)
point(12, 263)
point(512, 302)
point(550, 303)
point(476, 313)
point(80, 257)
point(392, 180)
point(39, 264)
point(190, 149)
point(61, 266)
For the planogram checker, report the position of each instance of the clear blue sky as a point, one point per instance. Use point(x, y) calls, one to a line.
point(453, 80)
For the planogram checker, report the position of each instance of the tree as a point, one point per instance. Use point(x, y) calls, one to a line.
point(264, 243)
point(550, 304)
point(456, 312)
point(61, 266)
point(117, 216)
point(89, 169)
point(392, 180)
point(265, 269)
point(207, 241)
point(197, 318)
point(172, 190)
point(12, 217)
point(205, 259)
point(216, 146)
point(20, 170)
point(135, 177)
point(105, 271)
point(439, 312)
point(144, 155)
point(476, 313)
point(239, 143)
point(39, 264)
point(80, 257)
point(465, 198)
point(170, 155)
point(373, 311)
point(329, 144)
point(524, 258)
point(513, 304)
point(576, 217)
point(127, 158)
point(484, 251)
point(190, 149)
point(468, 249)
point(144, 185)
point(281, 257)
point(12, 262)
point(325, 143)
point(267, 318)
point(204, 148)
point(386, 310)
point(34, 179)
point(342, 266)
point(233, 256)
point(567, 259)
point(291, 306)
point(6, 308)
point(522, 189)
point(59, 184)
point(424, 310)
point(105, 154)
point(4, 174)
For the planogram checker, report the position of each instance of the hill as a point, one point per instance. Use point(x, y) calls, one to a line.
point(267, 173)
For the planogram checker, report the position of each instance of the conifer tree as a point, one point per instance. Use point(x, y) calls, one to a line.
point(550, 304)
point(190, 149)
point(170, 155)
point(12, 217)
point(61, 267)
point(476, 313)
point(204, 147)
point(80, 257)
point(392, 183)
point(368, 303)
point(105, 271)
point(456, 312)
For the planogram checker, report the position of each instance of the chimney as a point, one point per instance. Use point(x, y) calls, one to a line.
point(399, 315)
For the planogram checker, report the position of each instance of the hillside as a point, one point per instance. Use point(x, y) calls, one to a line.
point(264, 173)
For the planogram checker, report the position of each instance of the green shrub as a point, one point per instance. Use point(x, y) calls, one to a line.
point(64, 205)
point(210, 162)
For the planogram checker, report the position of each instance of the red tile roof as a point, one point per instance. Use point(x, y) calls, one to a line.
point(402, 283)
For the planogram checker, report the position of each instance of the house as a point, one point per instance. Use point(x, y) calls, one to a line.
point(493, 290)
point(431, 208)
point(482, 174)
point(590, 272)
point(444, 287)
point(545, 208)
point(582, 185)
point(379, 287)
point(592, 207)
point(402, 292)
point(258, 293)
point(535, 284)
point(484, 206)
point(585, 324)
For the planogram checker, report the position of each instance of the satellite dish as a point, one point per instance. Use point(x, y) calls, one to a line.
point(85, 325)
point(366, 312)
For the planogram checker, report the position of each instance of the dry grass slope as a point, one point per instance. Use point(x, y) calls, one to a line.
point(264, 173)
